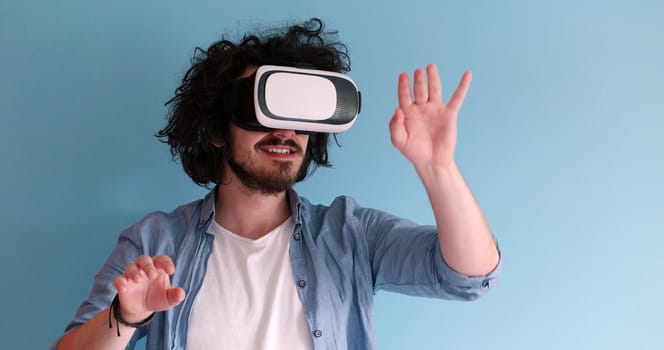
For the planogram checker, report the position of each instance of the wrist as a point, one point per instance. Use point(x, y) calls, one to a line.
point(436, 171)
point(114, 310)
point(131, 317)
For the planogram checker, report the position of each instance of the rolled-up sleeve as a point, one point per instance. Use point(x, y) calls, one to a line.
point(467, 287)
point(406, 258)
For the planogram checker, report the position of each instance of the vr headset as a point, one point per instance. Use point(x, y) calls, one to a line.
point(304, 100)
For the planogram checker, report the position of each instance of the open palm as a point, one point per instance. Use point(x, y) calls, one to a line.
point(145, 287)
point(423, 128)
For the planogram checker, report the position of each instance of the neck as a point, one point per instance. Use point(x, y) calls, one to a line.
point(249, 213)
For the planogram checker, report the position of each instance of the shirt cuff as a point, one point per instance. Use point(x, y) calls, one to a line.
point(471, 286)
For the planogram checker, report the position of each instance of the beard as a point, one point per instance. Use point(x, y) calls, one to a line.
point(267, 180)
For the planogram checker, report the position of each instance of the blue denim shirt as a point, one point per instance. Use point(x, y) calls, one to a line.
point(341, 255)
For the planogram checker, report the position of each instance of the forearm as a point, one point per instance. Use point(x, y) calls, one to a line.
point(96, 334)
point(466, 241)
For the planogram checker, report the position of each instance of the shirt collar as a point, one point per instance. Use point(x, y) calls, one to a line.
point(207, 208)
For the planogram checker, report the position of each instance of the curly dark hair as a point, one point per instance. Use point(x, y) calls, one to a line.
point(196, 118)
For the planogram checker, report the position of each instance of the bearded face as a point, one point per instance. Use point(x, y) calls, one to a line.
point(268, 163)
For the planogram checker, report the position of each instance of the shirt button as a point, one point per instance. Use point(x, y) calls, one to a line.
point(302, 283)
point(485, 283)
point(318, 333)
point(297, 237)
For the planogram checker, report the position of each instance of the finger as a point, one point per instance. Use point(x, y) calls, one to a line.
point(403, 91)
point(460, 93)
point(146, 264)
point(143, 261)
point(397, 128)
point(132, 273)
point(163, 281)
point(165, 263)
point(435, 87)
point(420, 91)
point(120, 284)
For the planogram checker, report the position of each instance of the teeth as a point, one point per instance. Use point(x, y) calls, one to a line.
point(279, 150)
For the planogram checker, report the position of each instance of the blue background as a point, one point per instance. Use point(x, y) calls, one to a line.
point(559, 138)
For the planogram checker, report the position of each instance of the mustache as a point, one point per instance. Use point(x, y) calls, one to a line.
point(275, 141)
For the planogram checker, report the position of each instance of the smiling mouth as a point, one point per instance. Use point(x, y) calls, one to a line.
point(278, 150)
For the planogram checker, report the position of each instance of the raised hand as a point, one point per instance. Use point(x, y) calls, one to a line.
point(423, 127)
point(145, 288)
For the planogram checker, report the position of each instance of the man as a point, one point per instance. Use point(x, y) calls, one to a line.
point(255, 266)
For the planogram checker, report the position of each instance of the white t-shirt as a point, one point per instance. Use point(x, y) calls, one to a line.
point(249, 299)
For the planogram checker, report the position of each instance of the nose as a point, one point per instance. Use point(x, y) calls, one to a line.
point(283, 133)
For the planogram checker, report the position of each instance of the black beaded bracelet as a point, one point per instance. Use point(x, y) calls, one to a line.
point(115, 309)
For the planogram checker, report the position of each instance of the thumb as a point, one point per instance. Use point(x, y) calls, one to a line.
point(398, 132)
point(175, 296)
